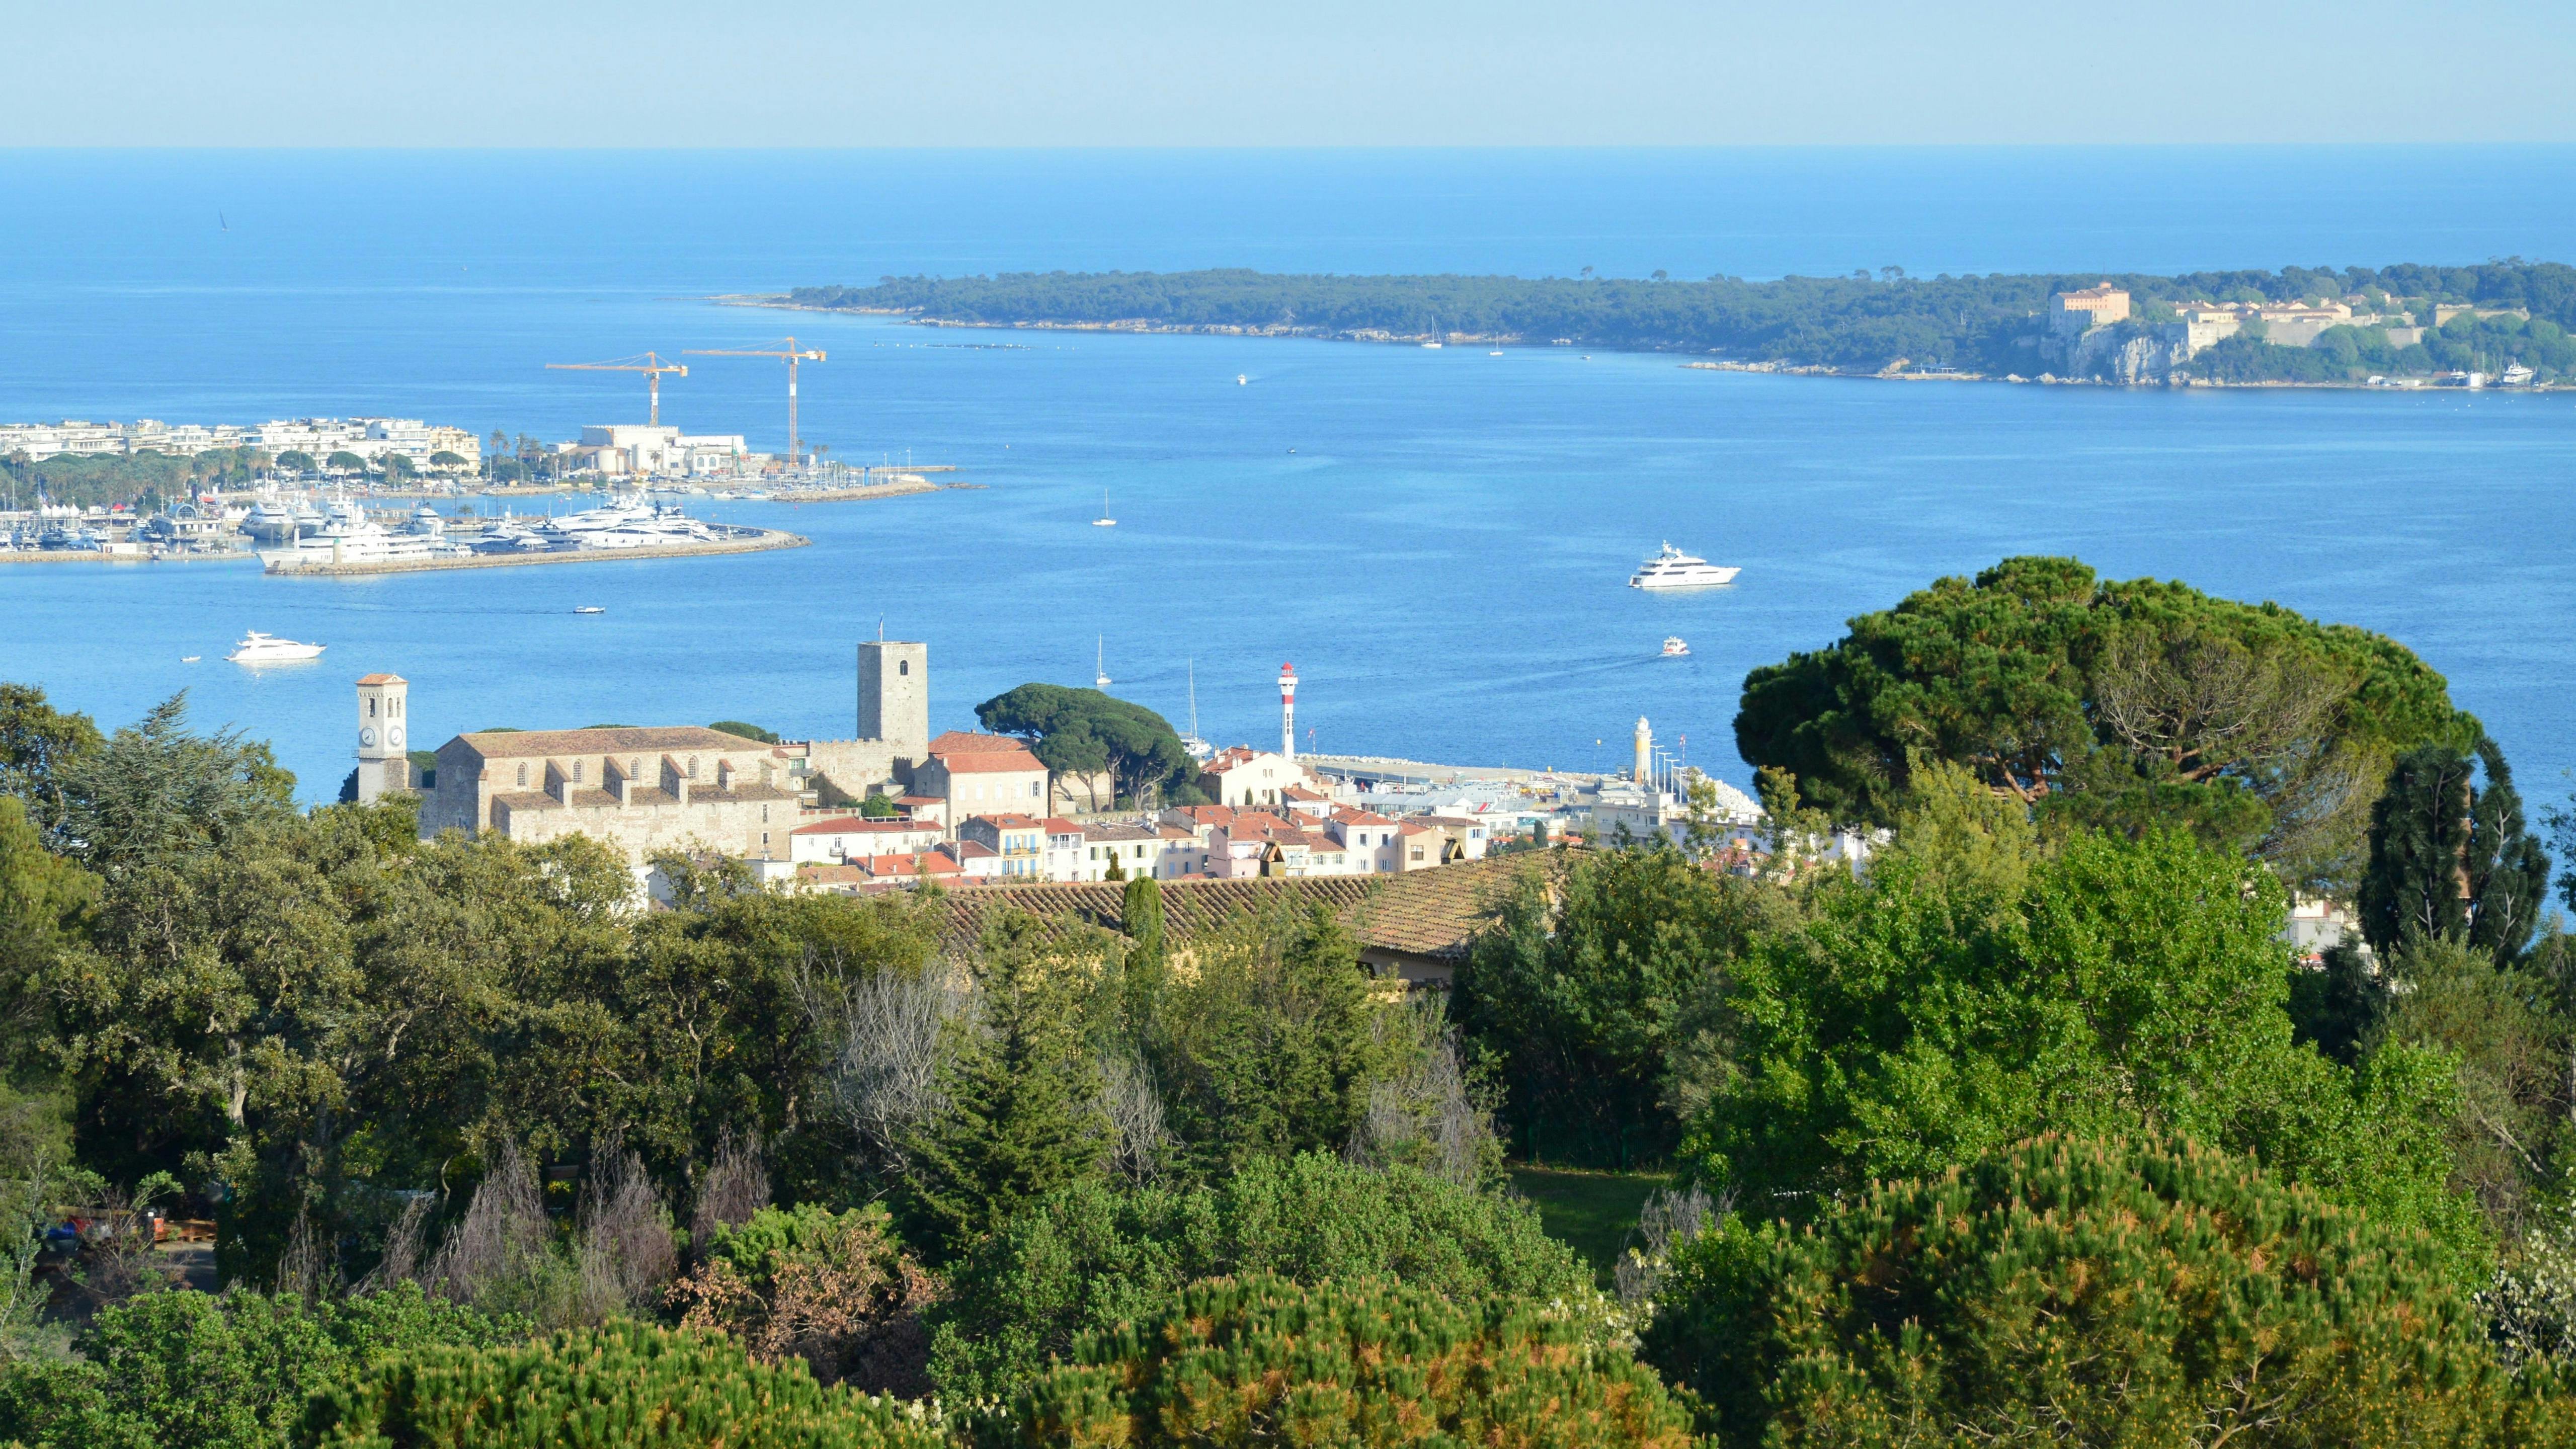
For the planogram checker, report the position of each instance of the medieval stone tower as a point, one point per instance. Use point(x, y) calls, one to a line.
point(894, 695)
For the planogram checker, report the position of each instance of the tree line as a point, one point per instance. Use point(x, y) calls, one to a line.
point(1863, 322)
point(2036, 1125)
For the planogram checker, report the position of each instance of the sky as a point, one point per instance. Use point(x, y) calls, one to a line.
point(850, 73)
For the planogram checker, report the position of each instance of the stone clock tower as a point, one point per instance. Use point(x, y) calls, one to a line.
point(384, 739)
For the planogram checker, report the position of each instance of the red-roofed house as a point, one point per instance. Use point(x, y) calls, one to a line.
point(1241, 775)
point(975, 774)
point(853, 838)
point(909, 867)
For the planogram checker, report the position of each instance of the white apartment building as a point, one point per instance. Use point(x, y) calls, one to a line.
point(369, 438)
point(852, 838)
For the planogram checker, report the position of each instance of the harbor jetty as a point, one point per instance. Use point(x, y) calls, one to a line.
point(741, 540)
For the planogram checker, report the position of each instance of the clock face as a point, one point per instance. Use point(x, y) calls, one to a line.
point(393, 735)
point(367, 736)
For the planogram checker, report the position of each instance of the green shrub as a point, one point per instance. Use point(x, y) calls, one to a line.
point(1092, 1256)
point(1265, 1361)
point(228, 1372)
point(624, 1385)
point(2075, 1292)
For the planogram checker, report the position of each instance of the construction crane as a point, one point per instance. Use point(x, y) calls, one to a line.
point(787, 350)
point(649, 364)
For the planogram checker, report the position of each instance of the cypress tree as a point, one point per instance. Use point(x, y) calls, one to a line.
point(1142, 908)
point(2451, 857)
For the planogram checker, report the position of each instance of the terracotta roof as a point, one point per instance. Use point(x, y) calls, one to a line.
point(1058, 826)
point(991, 762)
point(1300, 792)
point(1130, 832)
point(921, 800)
point(1348, 816)
point(1006, 821)
point(826, 874)
point(1427, 913)
point(967, 742)
point(920, 862)
point(854, 825)
point(501, 745)
point(380, 679)
point(971, 850)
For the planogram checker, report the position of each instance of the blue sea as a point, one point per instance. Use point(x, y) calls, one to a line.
point(1438, 540)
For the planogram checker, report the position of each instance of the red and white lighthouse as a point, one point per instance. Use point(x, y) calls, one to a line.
point(1288, 710)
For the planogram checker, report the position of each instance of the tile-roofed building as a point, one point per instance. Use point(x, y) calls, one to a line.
point(643, 790)
point(974, 774)
point(850, 837)
point(1240, 775)
point(1414, 927)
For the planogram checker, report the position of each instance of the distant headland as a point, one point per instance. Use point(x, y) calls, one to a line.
point(2503, 323)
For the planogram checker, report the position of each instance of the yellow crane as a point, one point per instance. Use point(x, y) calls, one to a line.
point(649, 364)
point(787, 350)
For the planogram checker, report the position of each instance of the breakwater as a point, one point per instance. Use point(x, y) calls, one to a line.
point(762, 541)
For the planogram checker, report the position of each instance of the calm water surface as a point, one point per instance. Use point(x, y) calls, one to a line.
point(1437, 539)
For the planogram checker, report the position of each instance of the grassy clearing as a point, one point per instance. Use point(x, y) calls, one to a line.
point(1590, 1212)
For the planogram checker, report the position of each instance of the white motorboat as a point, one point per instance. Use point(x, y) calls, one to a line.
point(1674, 648)
point(588, 609)
point(258, 648)
point(1674, 569)
point(1243, 379)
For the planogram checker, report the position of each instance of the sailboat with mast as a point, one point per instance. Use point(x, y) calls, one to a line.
point(1196, 747)
point(1104, 520)
point(1099, 663)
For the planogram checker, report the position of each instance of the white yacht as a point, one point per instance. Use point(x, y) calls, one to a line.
point(258, 648)
point(1674, 648)
point(348, 536)
point(1674, 569)
point(622, 525)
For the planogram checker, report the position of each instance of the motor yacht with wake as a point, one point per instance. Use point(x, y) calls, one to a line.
point(259, 648)
point(1674, 569)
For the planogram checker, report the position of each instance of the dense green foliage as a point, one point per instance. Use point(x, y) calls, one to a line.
point(228, 1372)
point(622, 1386)
point(1084, 733)
point(1260, 1361)
point(2108, 705)
point(2449, 856)
point(2070, 1291)
point(1575, 998)
point(2119, 986)
point(1860, 322)
point(1093, 1256)
point(149, 480)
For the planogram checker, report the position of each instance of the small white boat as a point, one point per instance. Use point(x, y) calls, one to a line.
point(258, 648)
point(1674, 648)
point(1104, 520)
point(190, 658)
point(588, 609)
point(1434, 346)
point(1243, 379)
point(1497, 352)
point(1099, 663)
point(1674, 569)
